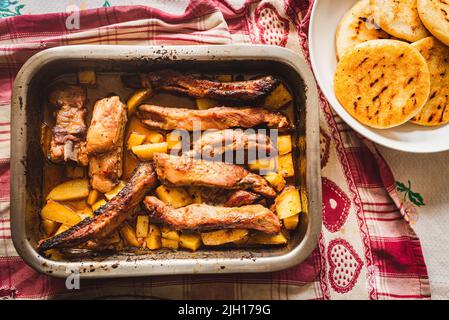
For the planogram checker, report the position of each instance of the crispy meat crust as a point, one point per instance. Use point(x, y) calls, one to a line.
point(105, 143)
point(206, 217)
point(214, 118)
point(186, 171)
point(197, 87)
point(69, 133)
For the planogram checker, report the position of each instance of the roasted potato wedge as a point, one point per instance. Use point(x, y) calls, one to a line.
point(57, 212)
point(70, 190)
point(278, 98)
point(136, 99)
point(145, 152)
point(219, 237)
point(288, 203)
point(175, 197)
point(142, 223)
point(190, 241)
point(129, 235)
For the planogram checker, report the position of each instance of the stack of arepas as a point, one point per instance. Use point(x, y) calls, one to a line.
point(394, 62)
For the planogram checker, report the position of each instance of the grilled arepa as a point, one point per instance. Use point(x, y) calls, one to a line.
point(435, 112)
point(356, 27)
point(382, 83)
point(435, 16)
point(399, 18)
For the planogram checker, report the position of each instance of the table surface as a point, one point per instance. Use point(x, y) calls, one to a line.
point(427, 173)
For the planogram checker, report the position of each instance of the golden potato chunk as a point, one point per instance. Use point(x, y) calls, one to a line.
point(263, 165)
point(57, 212)
point(291, 223)
point(170, 244)
point(136, 99)
point(70, 190)
point(219, 237)
point(129, 235)
point(142, 224)
point(263, 238)
point(154, 137)
point(93, 197)
point(174, 140)
point(145, 152)
point(284, 145)
point(111, 194)
point(279, 97)
point(153, 238)
point(288, 203)
point(276, 180)
point(175, 197)
point(135, 139)
point(191, 241)
point(285, 165)
point(168, 233)
point(87, 77)
point(98, 204)
point(49, 227)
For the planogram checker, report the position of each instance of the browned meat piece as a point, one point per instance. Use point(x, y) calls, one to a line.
point(205, 217)
point(108, 217)
point(214, 118)
point(186, 171)
point(241, 198)
point(228, 198)
point(69, 133)
point(197, 87)
point(105, 143)
point(216, 143)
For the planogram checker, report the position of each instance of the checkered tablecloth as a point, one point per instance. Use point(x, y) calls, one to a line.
point(367, 249)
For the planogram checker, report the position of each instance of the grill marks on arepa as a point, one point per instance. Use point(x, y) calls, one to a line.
point(399, 18)
point(382, 83)
point(356, 27)
point(435, 112)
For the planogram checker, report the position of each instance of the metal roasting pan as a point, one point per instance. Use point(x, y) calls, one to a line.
point(26, 161)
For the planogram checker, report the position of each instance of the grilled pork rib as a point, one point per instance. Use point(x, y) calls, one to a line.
point(186, 171)
point(108, 217)
point(105, 143)
point(194, 86)
point(214, 118)
point(206, 217)
point(216, 143)
point(68, 142)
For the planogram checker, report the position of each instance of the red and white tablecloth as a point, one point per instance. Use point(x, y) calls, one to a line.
point(367, 249)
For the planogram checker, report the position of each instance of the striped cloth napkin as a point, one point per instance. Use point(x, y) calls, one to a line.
point(367, 250)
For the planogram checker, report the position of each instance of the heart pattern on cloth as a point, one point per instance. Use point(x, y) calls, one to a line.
point(336, 205)
point(325, 143)
point(273, 29)
point(345, 265)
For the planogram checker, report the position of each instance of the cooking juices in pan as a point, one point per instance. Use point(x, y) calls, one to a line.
point(169, 160)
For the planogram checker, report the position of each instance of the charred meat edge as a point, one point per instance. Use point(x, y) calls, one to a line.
point(186, 171)
point(108, 217)
point(201, 87)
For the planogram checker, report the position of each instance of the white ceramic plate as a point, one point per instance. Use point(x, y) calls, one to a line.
point(409, 137)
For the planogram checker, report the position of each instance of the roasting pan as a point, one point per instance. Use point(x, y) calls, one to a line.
point(26, 162)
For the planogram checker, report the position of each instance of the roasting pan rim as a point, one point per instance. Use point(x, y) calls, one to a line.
point(114, 268)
